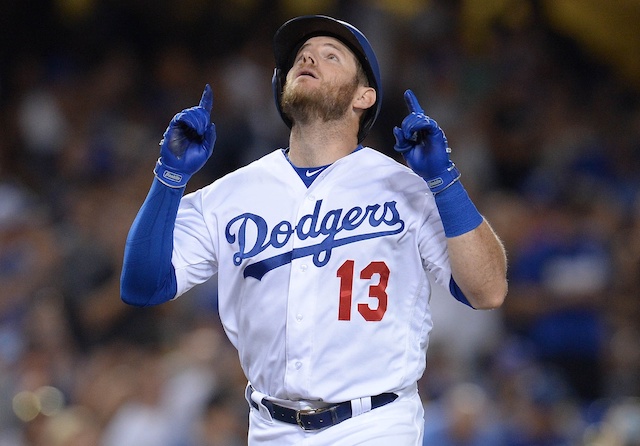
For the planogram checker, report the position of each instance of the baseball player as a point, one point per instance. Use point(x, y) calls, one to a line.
point(323, 250)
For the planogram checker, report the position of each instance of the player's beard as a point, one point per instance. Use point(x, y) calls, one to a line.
point(327, 103)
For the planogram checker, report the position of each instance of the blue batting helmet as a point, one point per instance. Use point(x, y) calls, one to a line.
point(290, 37)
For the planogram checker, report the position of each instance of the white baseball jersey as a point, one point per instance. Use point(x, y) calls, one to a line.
point(323, 290)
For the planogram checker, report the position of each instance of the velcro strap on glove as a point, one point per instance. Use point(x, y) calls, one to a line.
point(170, 177)
point(444, 180)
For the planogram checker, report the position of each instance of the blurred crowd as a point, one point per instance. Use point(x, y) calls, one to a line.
point(547, 138)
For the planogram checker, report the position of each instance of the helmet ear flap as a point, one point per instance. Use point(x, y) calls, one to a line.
point(277, 84)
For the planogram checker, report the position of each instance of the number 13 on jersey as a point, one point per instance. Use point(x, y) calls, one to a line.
point(373, 311)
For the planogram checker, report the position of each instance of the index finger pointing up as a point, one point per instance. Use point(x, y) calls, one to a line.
point(412, 102)
point(206, 101)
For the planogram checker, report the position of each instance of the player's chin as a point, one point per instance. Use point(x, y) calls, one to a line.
point(301, 92)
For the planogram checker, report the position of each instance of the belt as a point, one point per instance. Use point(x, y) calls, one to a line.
point(316, 419)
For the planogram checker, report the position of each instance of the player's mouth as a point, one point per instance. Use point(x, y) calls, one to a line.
point(307, 73)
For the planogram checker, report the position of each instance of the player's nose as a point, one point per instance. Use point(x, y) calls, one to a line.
point(307, 57)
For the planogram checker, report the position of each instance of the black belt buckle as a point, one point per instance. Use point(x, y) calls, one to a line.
point(311, 412)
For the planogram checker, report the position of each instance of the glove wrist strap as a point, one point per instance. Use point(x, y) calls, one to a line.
point(445, 180)
point(170, 177)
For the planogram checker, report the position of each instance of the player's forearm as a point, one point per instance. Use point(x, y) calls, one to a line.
point(148, 277)
point(479, 265)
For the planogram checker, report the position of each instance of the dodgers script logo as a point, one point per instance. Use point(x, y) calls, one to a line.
point(331, 229)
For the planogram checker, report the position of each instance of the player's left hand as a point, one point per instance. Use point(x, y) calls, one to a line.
point(424, 146)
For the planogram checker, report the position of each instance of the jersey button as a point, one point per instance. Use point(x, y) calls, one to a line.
point(298, 365)
point(303, 268)
point(298, 317)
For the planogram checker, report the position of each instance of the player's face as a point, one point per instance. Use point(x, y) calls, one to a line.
point(322, 82)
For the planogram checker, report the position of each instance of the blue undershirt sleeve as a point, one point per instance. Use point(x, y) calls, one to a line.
point(458, 294)
point(148, 277)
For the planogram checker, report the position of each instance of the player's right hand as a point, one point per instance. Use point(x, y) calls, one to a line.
point(187, 143)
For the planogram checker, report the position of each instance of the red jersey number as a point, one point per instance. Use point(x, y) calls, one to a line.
point(377, 291)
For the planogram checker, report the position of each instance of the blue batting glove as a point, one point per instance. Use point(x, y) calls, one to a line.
point(424, 147)
point(187, 143)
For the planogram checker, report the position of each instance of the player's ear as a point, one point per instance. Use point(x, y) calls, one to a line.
point(365, 98)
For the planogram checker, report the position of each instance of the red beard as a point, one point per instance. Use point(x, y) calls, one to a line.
point(330, 102)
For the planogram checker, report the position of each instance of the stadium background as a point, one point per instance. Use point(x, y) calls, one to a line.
point(540, 101)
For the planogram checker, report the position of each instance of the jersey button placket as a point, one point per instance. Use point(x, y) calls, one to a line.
point(301, 301)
